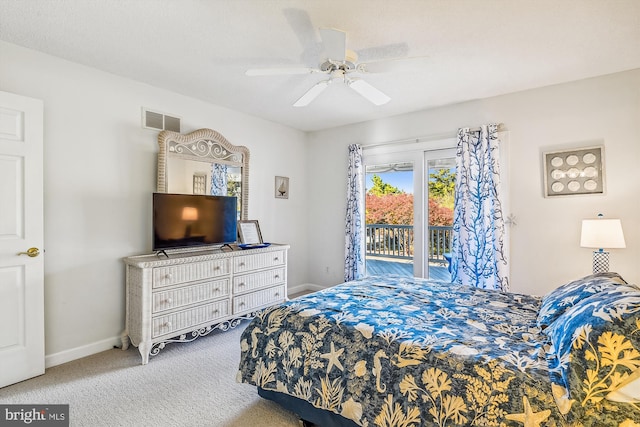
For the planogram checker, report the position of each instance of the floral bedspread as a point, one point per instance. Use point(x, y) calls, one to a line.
point(394, 351)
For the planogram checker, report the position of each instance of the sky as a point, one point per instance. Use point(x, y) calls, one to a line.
point(402, 180)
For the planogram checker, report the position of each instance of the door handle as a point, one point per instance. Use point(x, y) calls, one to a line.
point(31, 252)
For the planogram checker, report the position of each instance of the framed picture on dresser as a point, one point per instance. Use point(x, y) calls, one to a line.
point(249, 232)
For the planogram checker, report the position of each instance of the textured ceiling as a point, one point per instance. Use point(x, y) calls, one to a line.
point(469, 49)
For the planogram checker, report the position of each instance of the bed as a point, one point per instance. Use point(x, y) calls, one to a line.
point(397, 351)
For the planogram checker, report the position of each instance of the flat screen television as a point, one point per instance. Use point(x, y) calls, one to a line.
point(193, 220)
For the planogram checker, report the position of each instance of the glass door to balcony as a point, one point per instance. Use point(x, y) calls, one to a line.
point(440, 183)
point(389, 211)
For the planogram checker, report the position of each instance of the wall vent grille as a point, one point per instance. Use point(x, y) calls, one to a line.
point(159, 121)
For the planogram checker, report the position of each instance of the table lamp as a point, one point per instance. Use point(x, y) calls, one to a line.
point(601, 233)
point(189, 216)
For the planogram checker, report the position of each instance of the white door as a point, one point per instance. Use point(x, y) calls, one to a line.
point(21, 230)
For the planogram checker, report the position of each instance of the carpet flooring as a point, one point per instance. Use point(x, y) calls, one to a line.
point(190, 384)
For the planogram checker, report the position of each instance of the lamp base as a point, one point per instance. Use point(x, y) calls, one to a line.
point(600, 262)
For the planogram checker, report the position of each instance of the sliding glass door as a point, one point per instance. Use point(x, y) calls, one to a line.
point(389, 213)
point(409, 211)
point(423, 241)
point(439, 183)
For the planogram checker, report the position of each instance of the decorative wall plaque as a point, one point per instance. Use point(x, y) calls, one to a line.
point(282, 187)
point(199, 183)
point(577, 171)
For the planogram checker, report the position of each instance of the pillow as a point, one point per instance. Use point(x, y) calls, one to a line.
point(595, 346)
point(556, 302)
point(629, 390)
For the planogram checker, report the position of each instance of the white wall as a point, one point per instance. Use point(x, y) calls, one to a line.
point(545, 248)
point(100, 168)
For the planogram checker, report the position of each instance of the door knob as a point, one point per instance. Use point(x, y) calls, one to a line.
point(32, 252)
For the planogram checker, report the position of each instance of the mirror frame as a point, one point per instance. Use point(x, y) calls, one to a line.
point(203, 145)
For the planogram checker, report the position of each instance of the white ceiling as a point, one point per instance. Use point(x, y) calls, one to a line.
point(473, 48)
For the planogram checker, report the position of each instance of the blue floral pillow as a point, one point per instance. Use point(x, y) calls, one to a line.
point(595, 347)
point(556, 302)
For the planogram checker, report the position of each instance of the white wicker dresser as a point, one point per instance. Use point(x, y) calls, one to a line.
point(188, 295)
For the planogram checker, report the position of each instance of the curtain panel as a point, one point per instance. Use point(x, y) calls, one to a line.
point(354, 262)
point(218, 179)
point(478, 249)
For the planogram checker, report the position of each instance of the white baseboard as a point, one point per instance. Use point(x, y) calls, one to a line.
point(80, 352)
point(107, 344)
point(304, 287)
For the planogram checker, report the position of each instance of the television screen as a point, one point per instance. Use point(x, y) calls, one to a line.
point(191, 220)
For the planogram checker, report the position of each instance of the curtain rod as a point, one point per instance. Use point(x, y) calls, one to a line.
point(426, 138)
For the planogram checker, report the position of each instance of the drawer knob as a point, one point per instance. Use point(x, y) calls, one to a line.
point(241, 264)
point(168, 300)
point(277, 294)
point(166, 325)
point(216, 290)
point(241, 284)
point(277, 276)
point(241, 303)
point(168, 276)
point(217, 267)
point(216, 311)
point(276, 259)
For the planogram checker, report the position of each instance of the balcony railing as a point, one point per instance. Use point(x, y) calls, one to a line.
point(396, 241)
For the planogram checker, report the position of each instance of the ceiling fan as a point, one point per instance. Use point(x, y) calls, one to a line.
point(339, 64)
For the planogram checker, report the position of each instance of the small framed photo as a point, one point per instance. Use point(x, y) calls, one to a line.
point(572, 172)
point(249, 232)
point(282, 187)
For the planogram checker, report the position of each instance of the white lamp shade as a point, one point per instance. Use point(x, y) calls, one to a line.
point(602, 233)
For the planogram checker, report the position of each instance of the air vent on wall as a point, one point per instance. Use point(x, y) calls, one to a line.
point(159, 121)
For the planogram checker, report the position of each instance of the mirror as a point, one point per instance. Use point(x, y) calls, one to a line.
point(203, 162)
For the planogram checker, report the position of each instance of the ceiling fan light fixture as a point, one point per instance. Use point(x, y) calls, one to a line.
point(350, 57)
point(369, 92)
point(312, 93)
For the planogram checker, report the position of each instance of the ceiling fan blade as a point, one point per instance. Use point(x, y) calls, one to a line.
point(413, 63)
point(306, 33)
point(335, 43)
point(369, 92)
point(312, 93)
point(284, 71)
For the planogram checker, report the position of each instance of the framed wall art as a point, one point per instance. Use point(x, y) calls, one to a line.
point(282, 187)
point(575, 171)
point(199, 183)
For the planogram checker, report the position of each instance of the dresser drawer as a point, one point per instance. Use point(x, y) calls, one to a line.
point(259, 299)
point(203, 314)
point(256, 261)
point(257, 280)
point(174, 274)
point(180, 297)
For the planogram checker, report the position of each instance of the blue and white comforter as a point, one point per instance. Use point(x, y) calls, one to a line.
point(393, 351)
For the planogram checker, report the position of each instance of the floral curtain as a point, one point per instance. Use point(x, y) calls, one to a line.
point(219, 179)
point(478, 254)
point(354, 263)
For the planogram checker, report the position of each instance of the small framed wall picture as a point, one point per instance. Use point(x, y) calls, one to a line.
point(282, 187)
point(249, 232)
point(572, 172)
point(199, 183)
